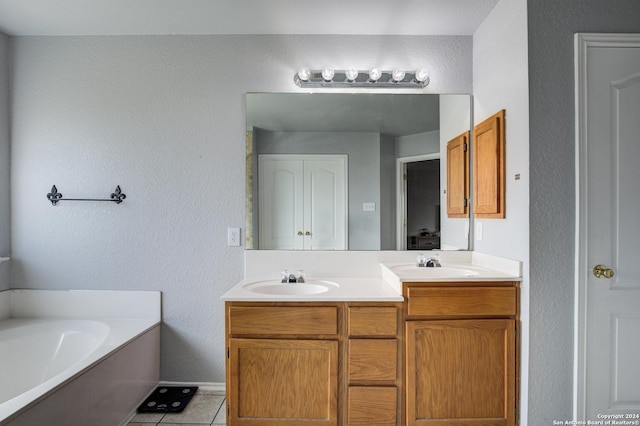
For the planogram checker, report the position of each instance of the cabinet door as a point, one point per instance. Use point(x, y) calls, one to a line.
point(489, 168)
point(369, 406)
point(461, 372)
point(458, 176)
point(279, 382)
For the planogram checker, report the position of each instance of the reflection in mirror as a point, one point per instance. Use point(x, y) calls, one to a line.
point(335, 171)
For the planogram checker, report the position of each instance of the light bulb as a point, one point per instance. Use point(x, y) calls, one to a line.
point(328, 74)
point(304, 74)
point(397, 75)
point(422, 75)
point(375, 74)
point(351, 74)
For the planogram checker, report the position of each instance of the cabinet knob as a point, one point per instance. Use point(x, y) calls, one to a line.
point(307, 233)
point(299, 232)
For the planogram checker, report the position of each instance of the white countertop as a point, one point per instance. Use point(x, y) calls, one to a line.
point(351, 289)
point(363, 276)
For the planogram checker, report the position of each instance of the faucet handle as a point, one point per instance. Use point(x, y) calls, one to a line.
point(285, 276)
point(300, 276)
point(434, 261)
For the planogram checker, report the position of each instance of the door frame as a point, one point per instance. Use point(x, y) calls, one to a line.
point(401, 190)
point(582, 42)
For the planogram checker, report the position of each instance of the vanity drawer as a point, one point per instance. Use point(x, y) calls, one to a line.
point(283, 320)
point(373, 360)
point(372, 406)
point(373, 321)
point(461, 301)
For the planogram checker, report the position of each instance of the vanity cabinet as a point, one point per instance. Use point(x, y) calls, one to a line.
point(314, 363)
point(374, 364)
point(461, 353)
point(282, 364)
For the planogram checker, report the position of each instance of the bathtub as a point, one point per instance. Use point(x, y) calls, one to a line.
point(79, 368)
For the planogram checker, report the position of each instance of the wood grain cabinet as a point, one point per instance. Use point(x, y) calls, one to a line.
point(282, 364)
point(489, 167)
point(314, 363)
point(374, 365)
point(445, 356)
point(461, 362)
point(458, 176)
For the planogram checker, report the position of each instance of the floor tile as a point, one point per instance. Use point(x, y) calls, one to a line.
point(183, 424)
point(152, 418)
point(201, 410)
point(221, 417)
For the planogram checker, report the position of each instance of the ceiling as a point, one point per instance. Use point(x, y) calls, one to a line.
point(389, 114)
point(142, 17)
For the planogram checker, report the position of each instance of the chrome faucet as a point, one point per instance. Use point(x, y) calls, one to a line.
point(431, 262)
point(291, 278)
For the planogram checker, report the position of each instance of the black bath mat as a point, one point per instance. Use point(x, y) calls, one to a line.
point(168, 399)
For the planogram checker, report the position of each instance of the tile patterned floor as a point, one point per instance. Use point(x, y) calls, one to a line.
point(205, 408)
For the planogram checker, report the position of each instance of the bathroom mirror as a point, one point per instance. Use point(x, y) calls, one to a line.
point(351, 171)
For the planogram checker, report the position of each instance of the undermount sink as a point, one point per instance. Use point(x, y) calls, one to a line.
point(275, 287)
point(409, 270)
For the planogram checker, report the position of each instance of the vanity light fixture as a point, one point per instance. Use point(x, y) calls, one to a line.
point(397, 75)
point(374, 78)
point(304, 74)
point(327, 74)
point(374, 75)
point(351, 74)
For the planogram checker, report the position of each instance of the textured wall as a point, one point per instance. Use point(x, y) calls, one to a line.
point(500, 82)
point(162, 116)
point(5, 212)
point(552, 25)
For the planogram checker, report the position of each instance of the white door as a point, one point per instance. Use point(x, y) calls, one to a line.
point(325, 206)
point(280, 207)
point(608, 134)
point(302, 202)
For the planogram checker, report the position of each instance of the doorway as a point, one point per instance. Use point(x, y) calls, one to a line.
point(607, 282)
point(419, 202)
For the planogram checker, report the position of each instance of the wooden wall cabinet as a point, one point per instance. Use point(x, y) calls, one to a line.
point(458, 176)
point(489, 167)
point(461, 354)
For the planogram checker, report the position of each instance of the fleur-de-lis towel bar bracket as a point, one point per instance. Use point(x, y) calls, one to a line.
point(54, 196)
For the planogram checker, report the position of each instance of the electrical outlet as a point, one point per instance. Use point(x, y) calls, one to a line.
point(368, 207)
point(233, 237)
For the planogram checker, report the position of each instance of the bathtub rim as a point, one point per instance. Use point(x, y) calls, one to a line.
point(142, 307)
point(123, 337)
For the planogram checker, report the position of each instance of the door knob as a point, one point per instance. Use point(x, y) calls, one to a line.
point(601, 271)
